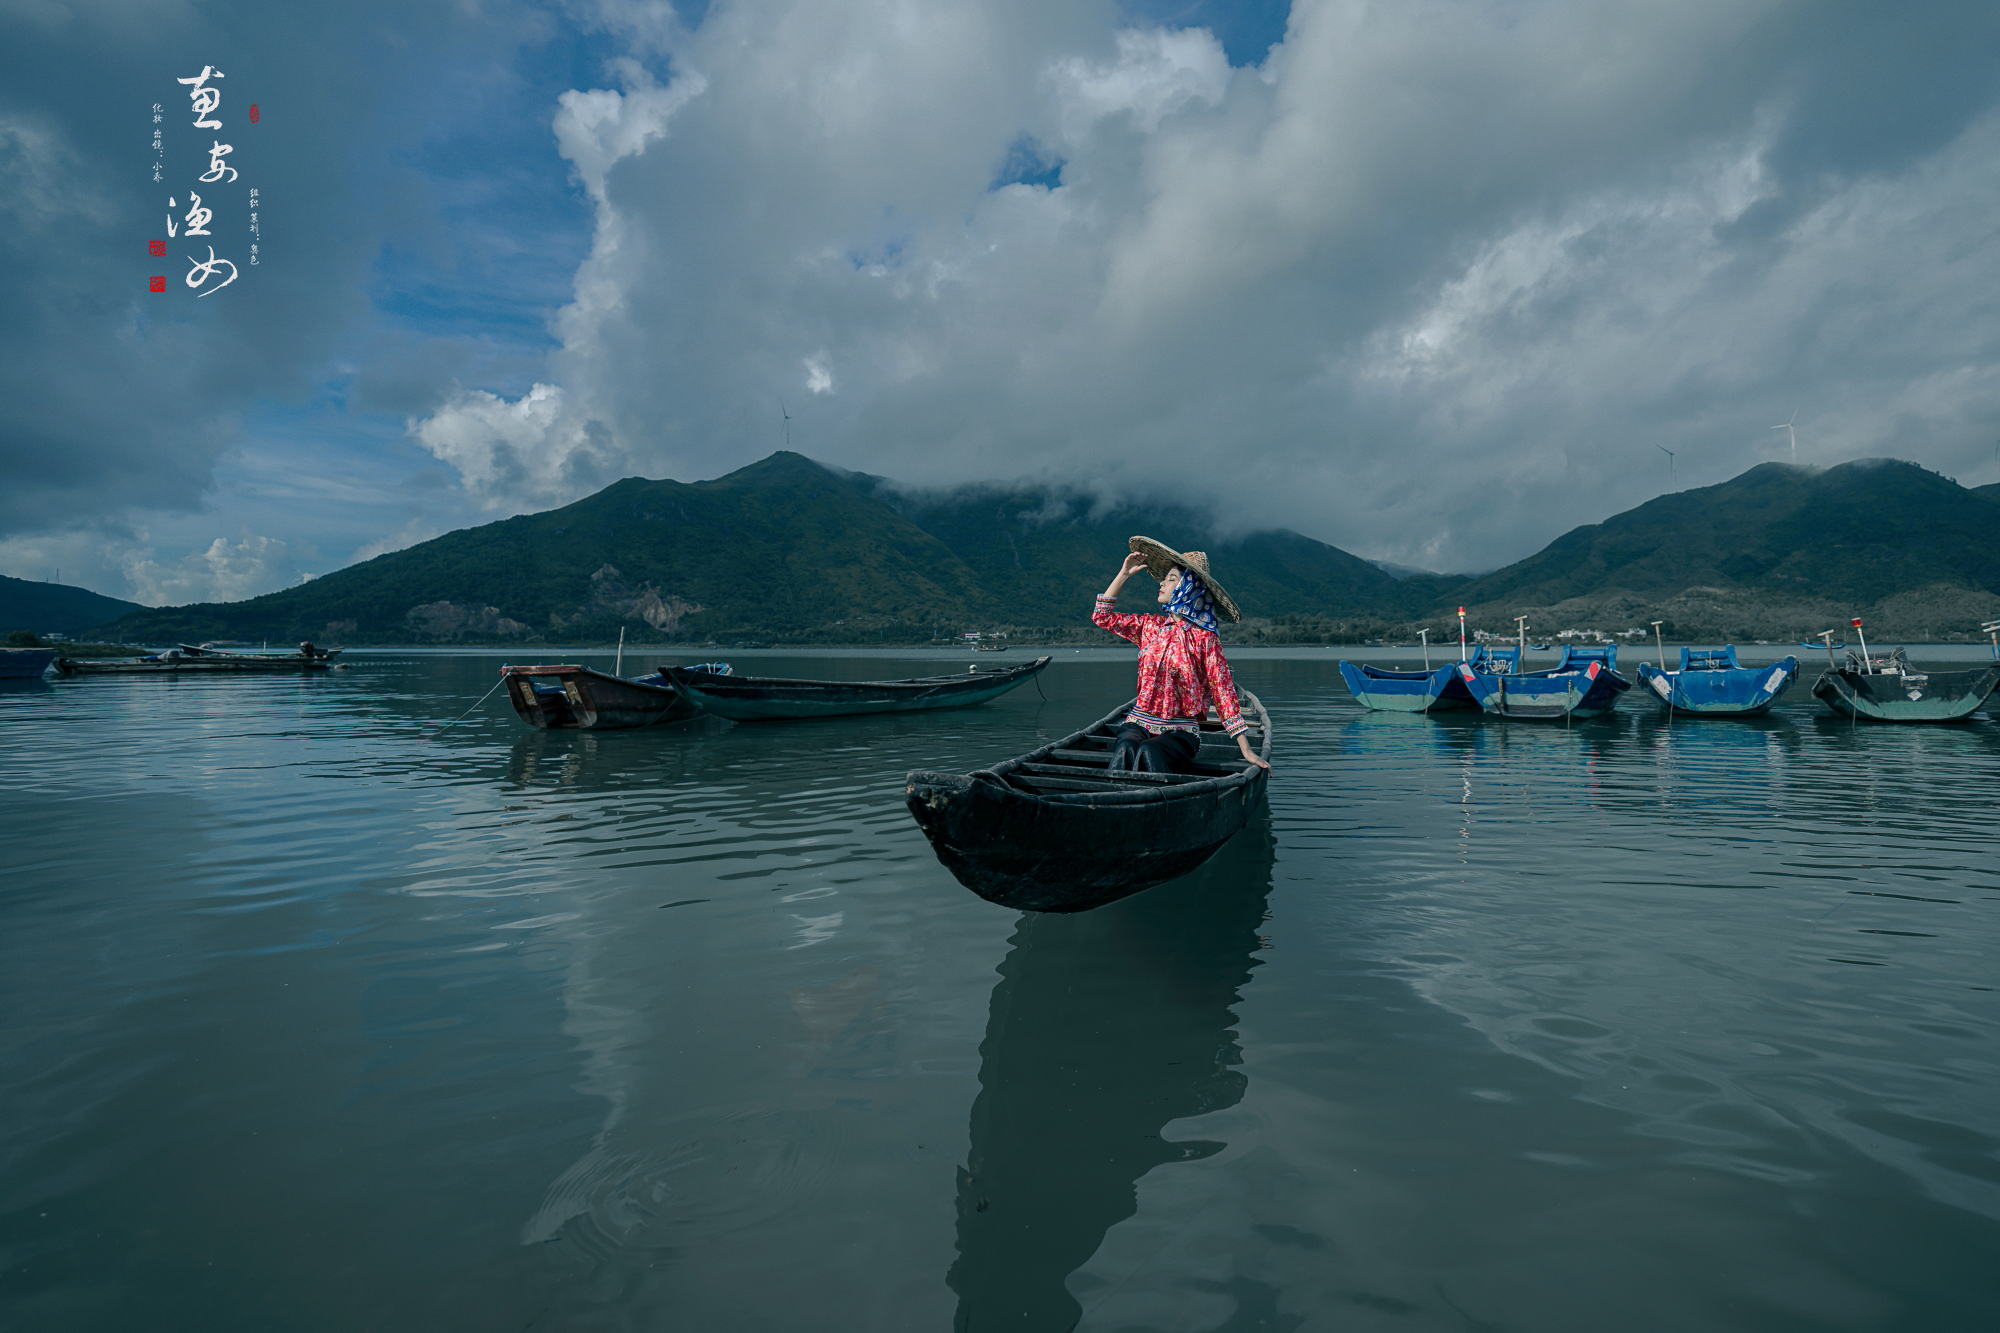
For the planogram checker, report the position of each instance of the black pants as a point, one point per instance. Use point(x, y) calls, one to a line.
point(1169, 752)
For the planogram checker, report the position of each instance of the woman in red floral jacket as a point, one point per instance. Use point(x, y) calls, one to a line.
point(1181, 668)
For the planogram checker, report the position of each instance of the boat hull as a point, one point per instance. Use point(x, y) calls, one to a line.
point(1407, 691)
point(575, 698)
point(1089, 840)
point(1545, 696)
point(1937, 696)
point(770, 699)
point(188, 666)
point(1738, 692)
point(25, 663)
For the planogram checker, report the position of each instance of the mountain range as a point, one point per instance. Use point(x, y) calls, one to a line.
point(55, 608)
point(787, 548)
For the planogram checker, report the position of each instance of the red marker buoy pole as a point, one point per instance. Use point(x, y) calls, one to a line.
point(1461, 634)
point(1867, 667)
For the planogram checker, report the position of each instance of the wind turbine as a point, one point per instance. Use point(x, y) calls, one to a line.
point(1787, 428)
point(1670, 463)
point(788, 423)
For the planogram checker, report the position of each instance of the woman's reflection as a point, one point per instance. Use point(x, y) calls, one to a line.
point(1105, 1026)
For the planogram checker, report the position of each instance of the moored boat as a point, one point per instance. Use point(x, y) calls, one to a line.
point(1712, 683)
point(1056, 831)
point(180, 661)
point(25, 663)
point(1424, 691)
point(209, 652)
point(774, 698)
point(1584, 683)
point(1886, 689)
point(576, 698)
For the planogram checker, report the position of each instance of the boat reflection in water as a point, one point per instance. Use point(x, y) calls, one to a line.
point(1106, 1026)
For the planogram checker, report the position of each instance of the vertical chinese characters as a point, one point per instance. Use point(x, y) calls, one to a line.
point(205, 100)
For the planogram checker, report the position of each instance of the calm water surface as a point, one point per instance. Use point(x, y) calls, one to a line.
point(319, 1020)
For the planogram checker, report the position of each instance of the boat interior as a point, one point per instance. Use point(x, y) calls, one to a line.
point(1710, 659)
point(1082, 765)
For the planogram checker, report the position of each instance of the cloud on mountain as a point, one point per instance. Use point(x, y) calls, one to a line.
point(1431, 282)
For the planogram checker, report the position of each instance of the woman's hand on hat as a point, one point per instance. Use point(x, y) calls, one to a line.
point(1133, 564)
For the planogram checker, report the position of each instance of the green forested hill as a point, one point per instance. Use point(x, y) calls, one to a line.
point(1793, 545)
point(788, 548)
point(782, 547)
point(1863, 530)
point(54, 608)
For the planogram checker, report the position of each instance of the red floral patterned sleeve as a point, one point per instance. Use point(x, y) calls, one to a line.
point(1214, 667)
point(1124, 626)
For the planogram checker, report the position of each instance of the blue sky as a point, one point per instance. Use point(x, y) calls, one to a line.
point(1432, 281)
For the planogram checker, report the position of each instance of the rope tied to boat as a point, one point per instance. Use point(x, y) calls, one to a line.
point(475, 708)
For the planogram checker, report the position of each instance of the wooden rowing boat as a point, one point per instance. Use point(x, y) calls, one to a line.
point(1056, 831)
point(770, 698)
point(575, 698)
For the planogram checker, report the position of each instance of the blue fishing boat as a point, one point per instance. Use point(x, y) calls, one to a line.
point(1424, 691)
point(1712, 683)
point(25, 663)
point(1584, 683)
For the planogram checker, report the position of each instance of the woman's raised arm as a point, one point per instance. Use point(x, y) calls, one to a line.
point(1133, 564)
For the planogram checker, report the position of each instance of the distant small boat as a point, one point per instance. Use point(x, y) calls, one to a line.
point(575, 698)
point(25, 663)
point(1539, 647)
point(1712, 683)
point(1584, 683)
point(1432, 691)
point(191, 660)
point(211, 653)
point(1057, 831)
point(1885, 689)
point(990, 648)
point(773, 698)
point(1807, 643)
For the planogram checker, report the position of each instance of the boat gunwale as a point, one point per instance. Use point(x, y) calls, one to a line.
point(996, 773)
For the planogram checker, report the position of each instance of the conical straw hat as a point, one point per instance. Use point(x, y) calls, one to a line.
point(1161, 557)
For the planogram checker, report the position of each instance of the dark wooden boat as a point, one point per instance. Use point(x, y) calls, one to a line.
point(765, 698)
point(210, 653)
point(1056, 831)
point(180, 662)
point(575, 698)
point(1885, 689)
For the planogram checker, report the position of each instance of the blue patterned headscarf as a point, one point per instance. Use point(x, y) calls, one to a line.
point(1191, 603)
